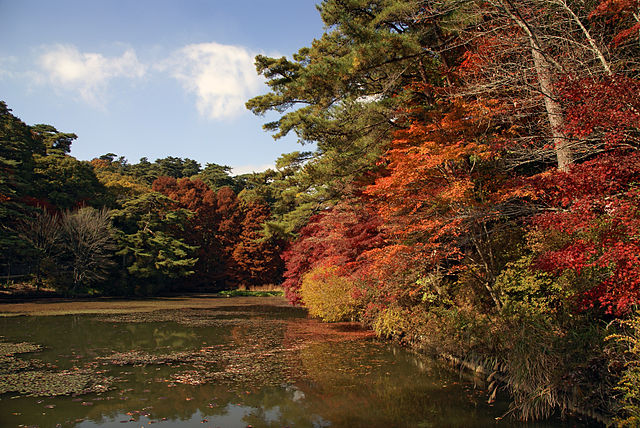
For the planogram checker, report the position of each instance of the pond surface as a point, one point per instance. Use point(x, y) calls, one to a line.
point(228, 366)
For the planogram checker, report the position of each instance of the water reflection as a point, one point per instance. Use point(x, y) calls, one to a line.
point(261, 367)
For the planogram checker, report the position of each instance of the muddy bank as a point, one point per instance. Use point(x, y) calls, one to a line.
point(60, 306)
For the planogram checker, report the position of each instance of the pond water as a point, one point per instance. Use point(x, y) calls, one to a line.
point(229, 366)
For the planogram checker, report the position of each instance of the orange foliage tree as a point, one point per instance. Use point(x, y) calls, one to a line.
point(201, 229)
point(440, 198)
point(256, 259)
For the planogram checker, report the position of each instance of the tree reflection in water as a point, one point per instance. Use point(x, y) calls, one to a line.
point(237, 366)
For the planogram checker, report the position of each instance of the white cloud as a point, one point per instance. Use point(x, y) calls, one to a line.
point(222, 77)
point(247, 169)
point(6, 63)
point(87, 73)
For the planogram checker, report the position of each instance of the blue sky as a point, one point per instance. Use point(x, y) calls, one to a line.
point(150, 78)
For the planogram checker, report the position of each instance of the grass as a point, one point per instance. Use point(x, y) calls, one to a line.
point(247, 293)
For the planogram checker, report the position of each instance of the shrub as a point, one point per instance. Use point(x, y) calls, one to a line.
point(524, 290)
point(629, 383)
point(328, 294)
point(393, 322)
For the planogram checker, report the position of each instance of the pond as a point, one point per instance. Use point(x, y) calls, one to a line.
point(229, 364)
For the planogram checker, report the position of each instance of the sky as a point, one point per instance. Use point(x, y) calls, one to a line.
point(151, 78)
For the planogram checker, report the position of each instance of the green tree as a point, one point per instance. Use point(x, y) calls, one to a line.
point(218, 176)
point(66, 182)
point(344, 91)
point(143, 170)
point(371, 50)
point(288, 191)
point(55, 142)
point(150, 228)
point(17, 146)
point(120, 184)
point(176, 167)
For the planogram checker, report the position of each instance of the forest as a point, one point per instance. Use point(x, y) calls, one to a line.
point(114, 228)
point(472, 191)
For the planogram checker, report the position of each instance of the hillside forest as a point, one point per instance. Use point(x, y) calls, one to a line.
point(472, 190)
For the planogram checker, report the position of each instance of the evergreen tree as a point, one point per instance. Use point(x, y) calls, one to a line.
point(17, 147)
point(152, 247)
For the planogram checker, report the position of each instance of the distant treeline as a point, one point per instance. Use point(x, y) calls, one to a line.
point(108, 226)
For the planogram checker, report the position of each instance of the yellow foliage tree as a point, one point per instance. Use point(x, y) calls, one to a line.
point(328, 294)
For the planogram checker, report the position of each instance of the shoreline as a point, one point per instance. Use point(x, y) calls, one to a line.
point(113, 305)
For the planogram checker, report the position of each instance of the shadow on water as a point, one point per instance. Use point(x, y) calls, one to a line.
point(232, 366)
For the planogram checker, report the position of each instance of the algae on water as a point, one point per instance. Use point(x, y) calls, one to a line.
point(33, 377)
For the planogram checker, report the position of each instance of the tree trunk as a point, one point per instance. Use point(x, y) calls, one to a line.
point(554, 111)
point(592, 43)
point(543, 66)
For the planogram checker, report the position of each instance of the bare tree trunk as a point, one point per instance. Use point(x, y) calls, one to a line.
point(543, 71)
point(554, 111)
point(592, 43)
